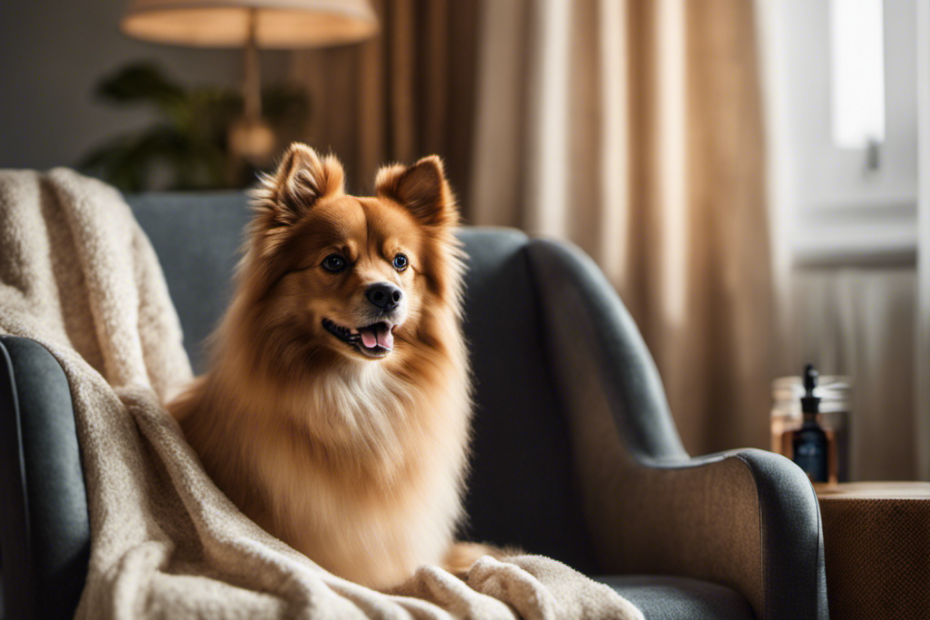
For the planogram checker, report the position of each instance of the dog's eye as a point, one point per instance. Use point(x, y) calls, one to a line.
point(334, 263)
point(400, 262)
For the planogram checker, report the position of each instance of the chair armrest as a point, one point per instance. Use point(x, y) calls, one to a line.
point(45, 533)
point(747, 519)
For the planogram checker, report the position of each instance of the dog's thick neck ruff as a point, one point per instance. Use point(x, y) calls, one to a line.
point(336, 410)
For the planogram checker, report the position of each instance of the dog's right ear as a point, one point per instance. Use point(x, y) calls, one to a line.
point(301, 180)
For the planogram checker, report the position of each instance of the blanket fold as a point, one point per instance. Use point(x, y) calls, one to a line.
point(78, 275)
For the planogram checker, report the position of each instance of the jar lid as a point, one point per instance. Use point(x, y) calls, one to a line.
point(834, 392)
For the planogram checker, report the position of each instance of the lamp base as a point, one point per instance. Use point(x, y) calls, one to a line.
point(253, 140)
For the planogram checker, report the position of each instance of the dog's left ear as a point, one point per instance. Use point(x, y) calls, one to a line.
point(422, 188)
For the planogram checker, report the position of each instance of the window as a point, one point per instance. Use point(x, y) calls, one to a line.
point(840, 94)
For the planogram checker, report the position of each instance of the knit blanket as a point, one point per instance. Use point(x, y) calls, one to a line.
point(78, 275)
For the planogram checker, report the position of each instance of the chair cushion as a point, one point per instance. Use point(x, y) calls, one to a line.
point(679, 598)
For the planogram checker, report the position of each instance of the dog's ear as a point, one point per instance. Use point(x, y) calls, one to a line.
point(301, 180)
point(422, 188)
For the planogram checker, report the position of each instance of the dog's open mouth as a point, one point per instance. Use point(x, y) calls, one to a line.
point(375, 340)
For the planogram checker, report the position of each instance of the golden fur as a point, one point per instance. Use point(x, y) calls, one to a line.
point(357, 462)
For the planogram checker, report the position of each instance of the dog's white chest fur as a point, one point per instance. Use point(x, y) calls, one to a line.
point(383, 496)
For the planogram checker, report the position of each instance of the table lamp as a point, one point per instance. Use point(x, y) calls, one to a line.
point(250, 24)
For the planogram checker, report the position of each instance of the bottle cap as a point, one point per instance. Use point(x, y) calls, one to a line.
point(809, 402)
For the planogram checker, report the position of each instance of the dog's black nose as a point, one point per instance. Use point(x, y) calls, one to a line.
point(384, 295)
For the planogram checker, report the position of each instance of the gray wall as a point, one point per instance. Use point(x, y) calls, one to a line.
point(53, 53)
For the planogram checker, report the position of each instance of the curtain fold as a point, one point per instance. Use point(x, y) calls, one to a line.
point(634, 129)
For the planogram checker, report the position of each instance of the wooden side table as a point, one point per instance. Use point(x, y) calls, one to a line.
point(877, 548)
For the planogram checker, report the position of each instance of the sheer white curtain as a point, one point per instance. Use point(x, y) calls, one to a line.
point(922, 354)
point(860, 323)
point(852, 306)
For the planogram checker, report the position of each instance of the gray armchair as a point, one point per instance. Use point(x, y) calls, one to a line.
point(575, 453)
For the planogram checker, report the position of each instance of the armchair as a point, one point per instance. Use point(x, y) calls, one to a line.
point(575, 453)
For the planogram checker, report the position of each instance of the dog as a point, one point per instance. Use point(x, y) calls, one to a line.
point(336, 409)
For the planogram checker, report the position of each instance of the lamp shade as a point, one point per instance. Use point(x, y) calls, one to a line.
point(225, 23)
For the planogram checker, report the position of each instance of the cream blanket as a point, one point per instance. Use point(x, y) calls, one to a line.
point(78, 275)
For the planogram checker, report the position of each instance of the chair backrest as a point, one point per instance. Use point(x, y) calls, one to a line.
point(197, 238)
point(522, 487)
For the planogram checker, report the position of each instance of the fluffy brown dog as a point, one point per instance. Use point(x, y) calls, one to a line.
point(336, 410)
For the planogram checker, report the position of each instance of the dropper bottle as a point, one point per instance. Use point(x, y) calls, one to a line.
point(810, 441)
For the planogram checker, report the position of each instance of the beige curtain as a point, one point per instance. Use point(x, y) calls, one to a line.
point(633, 128)
point(403, 95)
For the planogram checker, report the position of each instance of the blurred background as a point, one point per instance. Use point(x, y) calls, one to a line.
point(746, 173)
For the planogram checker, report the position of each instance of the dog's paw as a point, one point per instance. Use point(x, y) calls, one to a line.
point(462, 555)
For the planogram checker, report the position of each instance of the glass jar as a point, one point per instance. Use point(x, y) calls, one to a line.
point(835, 395)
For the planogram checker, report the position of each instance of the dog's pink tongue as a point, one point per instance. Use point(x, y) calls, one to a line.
point(379, 334)
point(385, 337)
point(368, 338)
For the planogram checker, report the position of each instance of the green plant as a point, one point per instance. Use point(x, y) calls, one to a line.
point(186, 148)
